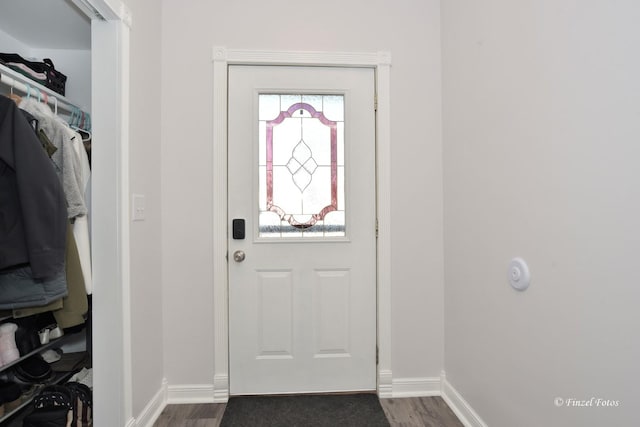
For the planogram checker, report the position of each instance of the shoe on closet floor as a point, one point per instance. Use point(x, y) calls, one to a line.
point(8, 349)
point(27, 338)
point(51, 355)
point(10, 394)
point(55, 332)
point(33, 370)
point(49, 333)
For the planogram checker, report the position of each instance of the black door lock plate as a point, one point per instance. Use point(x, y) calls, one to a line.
point(238, 229)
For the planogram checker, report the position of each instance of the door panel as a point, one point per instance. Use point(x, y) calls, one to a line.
point(331, 313)
point(275, 289)
point(302, 302)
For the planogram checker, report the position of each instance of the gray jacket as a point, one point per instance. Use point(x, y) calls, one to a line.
point(66, 162)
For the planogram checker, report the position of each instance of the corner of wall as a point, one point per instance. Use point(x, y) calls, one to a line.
point(153, 409)
point(458, 405)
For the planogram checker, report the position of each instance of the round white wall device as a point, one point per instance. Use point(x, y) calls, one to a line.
point(518, 274)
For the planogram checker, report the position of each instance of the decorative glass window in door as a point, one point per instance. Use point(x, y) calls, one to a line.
point(301, 165)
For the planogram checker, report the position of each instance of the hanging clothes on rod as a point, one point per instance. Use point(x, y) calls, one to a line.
point(81, 123)
point(69, 157)
point(78, 119)
point(72, 164)
point(32, 253)
point(22, 290)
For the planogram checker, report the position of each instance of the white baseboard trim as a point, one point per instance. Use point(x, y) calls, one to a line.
point(221, 388)
point(154, 408)
point(190, 393)
point(387, 388)
point(385, 384)
point(459, 406)
point(416, 387)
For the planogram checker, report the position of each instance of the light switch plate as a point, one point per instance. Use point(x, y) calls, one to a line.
point(138, 207)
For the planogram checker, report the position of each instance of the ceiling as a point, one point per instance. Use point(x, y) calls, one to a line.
point(46, 24)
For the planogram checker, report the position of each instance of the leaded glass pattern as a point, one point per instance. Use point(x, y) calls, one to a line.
point(301, 165)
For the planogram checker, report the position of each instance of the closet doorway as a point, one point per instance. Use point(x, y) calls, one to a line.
point(110, 24)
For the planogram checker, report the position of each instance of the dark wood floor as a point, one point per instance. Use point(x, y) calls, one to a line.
point(406, 412)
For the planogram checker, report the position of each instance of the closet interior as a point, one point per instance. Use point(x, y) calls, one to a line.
point(45, 204)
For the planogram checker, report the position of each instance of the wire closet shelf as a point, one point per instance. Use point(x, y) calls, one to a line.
point(28, 87)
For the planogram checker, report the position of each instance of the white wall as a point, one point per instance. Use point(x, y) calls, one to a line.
point(75, 64)
point(9, 44)
point(541, 130)
point(410, 31)
point(145, 173)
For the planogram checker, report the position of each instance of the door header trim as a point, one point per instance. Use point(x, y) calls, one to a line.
point(275, 57)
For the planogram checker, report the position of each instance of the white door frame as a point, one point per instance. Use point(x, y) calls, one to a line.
point(381, 63)
point(111, 316)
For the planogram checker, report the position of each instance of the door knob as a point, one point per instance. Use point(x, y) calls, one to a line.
point(238, 256)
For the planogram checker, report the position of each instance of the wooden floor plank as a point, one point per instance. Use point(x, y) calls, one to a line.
point(191, 415)
point(419, 412)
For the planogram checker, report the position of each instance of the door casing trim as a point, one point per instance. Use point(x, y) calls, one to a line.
point(381, 63)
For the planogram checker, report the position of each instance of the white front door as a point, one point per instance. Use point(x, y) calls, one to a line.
point(302, 248)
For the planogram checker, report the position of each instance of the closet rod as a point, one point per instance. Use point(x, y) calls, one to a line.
point(19, 82)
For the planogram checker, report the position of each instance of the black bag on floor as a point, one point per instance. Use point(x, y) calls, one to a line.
point(61, 406)
point(48, 418)
point(83, 406)
point(51, 408)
